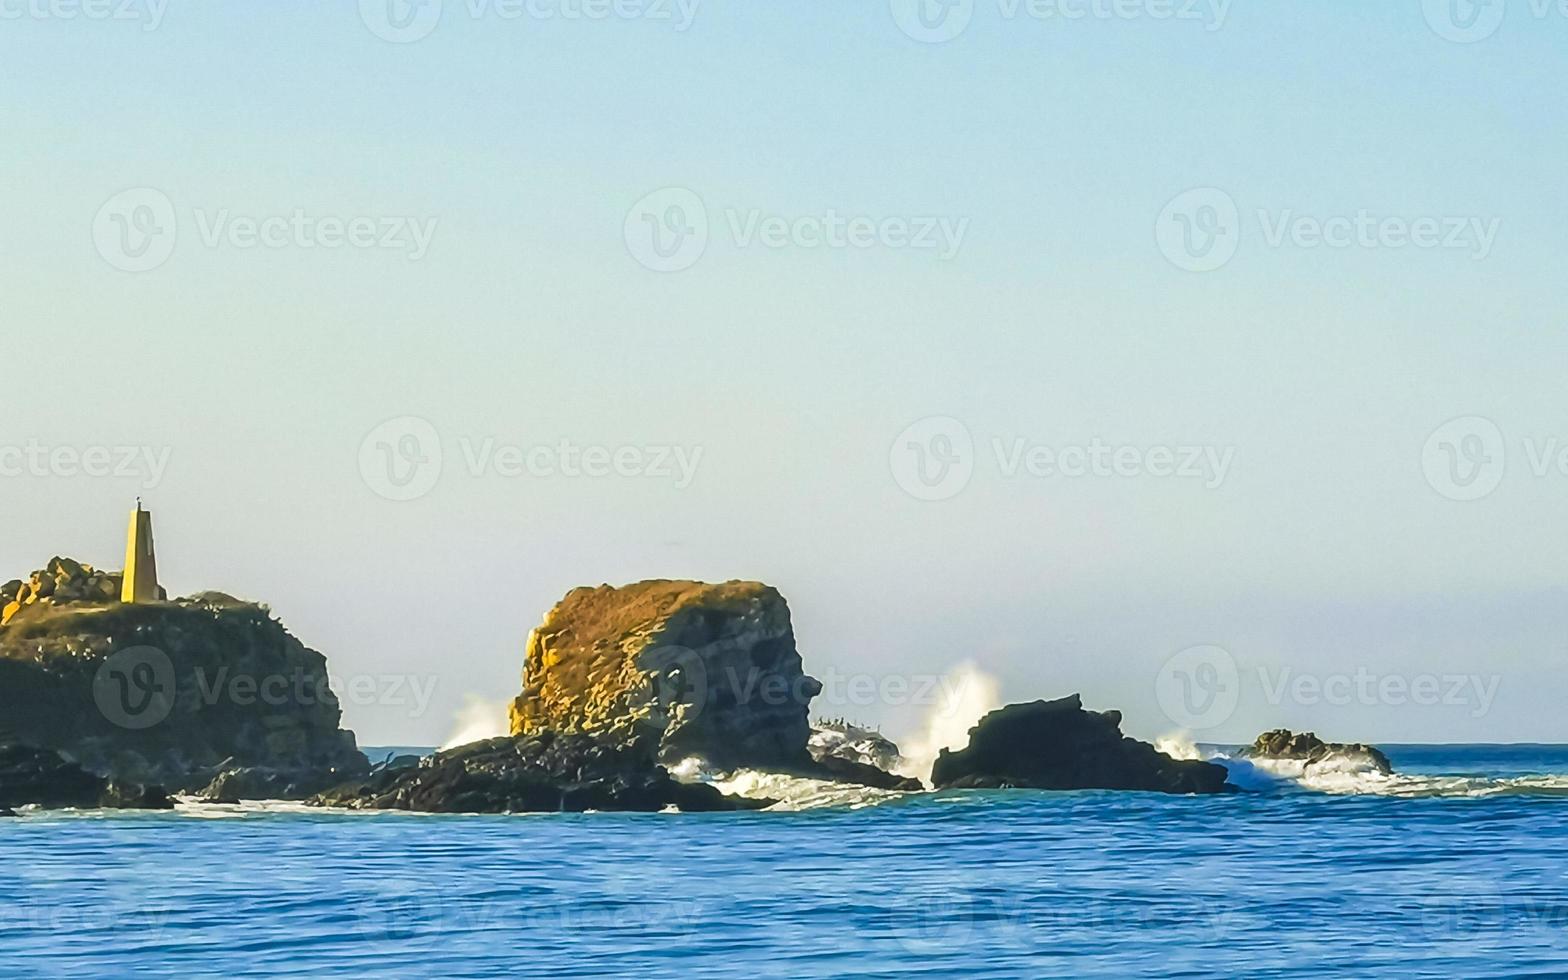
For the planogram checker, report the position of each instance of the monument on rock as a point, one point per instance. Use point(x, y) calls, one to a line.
point(140, 583)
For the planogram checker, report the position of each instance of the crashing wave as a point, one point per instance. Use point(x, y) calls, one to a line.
point(790, 792)
point(1355, 773)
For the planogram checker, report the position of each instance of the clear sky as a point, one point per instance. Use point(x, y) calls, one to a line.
point(1070, 235)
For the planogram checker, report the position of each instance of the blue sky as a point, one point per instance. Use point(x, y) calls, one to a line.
point(532, 150)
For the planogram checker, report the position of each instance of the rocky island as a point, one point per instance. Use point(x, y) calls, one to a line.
point(617, 684)
point(1058, 745)
point(1309, 750)
point(205, 694)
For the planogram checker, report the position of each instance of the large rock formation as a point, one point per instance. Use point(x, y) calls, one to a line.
point(1309, 750)
point(1058, 745)
point(546, 773)
point(40, 777)
point(707, 670)
point(169, 693)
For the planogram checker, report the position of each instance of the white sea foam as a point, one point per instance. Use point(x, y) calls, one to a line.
point(1354, 774)
point(791, 792)
point(968, 694)
point(477, 720)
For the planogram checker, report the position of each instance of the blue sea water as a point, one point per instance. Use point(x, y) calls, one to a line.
point(1459, 869)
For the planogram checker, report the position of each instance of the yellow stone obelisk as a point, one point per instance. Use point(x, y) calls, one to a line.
point(141, 565)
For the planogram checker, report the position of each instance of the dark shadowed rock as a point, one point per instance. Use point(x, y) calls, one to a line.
point(841, 770)
point(41, 777)
point(1058, 745)
point(1307, 748)
point(262, 783)
point(545, 773)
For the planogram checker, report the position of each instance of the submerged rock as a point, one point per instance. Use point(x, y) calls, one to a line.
point(262, 783)
point(167, 693)
point(1058, 745)
point(707, 670)
point(32, 776)
point(529, 774)
point(1310, 750)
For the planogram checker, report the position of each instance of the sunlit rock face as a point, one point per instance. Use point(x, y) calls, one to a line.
point(711, 670)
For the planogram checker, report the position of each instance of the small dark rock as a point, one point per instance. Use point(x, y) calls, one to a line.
point(545, 772)
point(263, 783)
point(1058, 745)
point(45, 778)
point(841, 770)
point(1283, 743)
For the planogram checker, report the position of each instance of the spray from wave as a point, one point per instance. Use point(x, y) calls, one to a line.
point(477, 720)
point(967, 694)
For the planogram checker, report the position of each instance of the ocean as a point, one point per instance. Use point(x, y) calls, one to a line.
point(1454, 868)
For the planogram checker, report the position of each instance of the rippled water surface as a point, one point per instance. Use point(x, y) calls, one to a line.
point(1280, 883)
